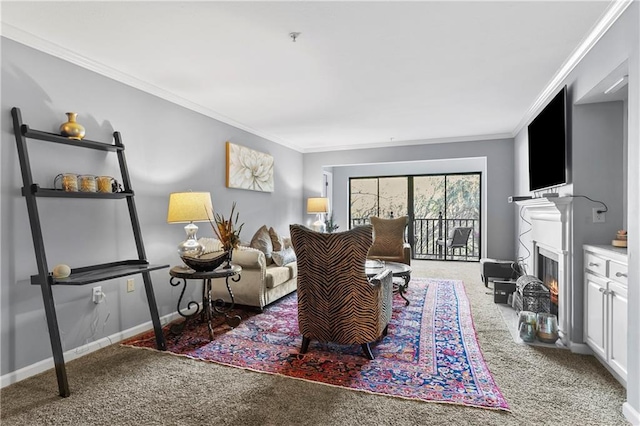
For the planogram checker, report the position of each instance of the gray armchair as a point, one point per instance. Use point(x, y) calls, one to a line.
point(457, 238)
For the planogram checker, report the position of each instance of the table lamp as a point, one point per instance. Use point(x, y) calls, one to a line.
point(319, 206)
point(189, 207)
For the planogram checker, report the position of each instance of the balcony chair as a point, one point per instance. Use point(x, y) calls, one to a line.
point(457, 238)
point(388, 240)
point(336, 301)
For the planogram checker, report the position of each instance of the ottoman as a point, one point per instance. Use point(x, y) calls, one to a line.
point(503, 269)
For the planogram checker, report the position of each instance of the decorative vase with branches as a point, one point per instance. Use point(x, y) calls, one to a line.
point(227, 231)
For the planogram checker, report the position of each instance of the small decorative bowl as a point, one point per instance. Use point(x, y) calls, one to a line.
point(207, 262)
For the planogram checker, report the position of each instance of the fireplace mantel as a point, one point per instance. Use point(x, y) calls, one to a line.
point(550, 221)
point(543, 208)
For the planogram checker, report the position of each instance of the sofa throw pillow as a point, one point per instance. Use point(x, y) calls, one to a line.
point(262, 241)
point(284, 257)
point(276, 240)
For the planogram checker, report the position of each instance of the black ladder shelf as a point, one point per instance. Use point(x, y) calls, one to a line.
point(89, 274)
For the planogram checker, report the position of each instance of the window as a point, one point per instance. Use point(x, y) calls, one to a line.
point(383, 197)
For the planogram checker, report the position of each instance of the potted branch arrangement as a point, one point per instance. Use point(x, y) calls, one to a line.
point(330, 224)
point(227, 231)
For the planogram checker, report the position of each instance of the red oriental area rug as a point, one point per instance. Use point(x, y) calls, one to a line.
point(430, 353)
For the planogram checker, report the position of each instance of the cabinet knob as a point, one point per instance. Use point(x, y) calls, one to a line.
point(602, 290)
point(593, 264)
point(620, 274)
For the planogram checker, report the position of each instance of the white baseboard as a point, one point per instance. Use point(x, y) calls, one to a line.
point(580, 348)
point(47, 364)
point(631, 414)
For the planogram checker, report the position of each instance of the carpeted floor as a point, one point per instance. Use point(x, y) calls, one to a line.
point(430, 353)
point(125, 386)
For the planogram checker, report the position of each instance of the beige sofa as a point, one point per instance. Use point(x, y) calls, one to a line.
point(259, 284)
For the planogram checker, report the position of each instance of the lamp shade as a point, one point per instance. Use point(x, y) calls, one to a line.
point(185, 207)
point(317, 205)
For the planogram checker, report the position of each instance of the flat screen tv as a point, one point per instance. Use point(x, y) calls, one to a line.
point(548, 145)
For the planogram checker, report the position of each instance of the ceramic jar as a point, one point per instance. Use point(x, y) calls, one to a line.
point(72, 129)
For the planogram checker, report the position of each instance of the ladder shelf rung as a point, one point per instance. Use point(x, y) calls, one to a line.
point(97, 273)
point(83, 143)
point(59, 193)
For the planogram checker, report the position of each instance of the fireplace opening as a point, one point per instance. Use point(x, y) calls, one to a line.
point(548, 274)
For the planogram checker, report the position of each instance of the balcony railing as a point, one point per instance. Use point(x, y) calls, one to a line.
point(427, 232)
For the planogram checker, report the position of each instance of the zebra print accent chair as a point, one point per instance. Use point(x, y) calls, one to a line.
point(336, 301)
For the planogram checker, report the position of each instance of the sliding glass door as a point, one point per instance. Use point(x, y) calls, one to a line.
point(447, 217)
point(444, 211)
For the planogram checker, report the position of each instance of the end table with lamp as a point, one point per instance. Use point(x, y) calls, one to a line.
point(318, 206)
point(190, 207)
point(210, 308)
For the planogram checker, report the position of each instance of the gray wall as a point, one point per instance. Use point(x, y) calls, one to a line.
point(598, 166)
point(168, 148)
point(498, 156)
point(598, 133)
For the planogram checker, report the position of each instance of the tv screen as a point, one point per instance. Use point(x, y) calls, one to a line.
point(548, 142)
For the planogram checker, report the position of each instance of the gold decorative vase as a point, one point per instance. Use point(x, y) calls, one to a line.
point(72, 129)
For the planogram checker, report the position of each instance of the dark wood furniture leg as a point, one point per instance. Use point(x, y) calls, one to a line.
point(305, 345)
point(366, 348)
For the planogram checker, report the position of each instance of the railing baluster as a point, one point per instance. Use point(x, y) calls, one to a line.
point(426, 234)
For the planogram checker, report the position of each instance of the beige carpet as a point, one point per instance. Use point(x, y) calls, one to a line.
point(126, 386)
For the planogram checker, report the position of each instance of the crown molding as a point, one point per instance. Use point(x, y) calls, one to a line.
point(409, 143)
point(615, 10)
point(35, 42)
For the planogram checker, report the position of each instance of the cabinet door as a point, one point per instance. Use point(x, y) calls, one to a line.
point(595, 313)
point(618, 328)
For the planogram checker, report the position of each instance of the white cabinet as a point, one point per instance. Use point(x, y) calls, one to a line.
point(595, 320)
point(605, 313)
point(618, 328)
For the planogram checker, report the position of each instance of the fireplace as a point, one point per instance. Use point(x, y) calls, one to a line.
point(548, 256)
point(548, 273)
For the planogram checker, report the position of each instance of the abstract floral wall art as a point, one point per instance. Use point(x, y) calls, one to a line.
point(249, 169)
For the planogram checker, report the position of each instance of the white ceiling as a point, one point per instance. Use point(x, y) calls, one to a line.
point(360, 74)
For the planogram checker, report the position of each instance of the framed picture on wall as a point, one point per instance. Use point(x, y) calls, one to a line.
point(249, 169)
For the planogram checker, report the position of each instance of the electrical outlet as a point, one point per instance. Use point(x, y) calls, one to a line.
point(131, 285)
point(97, 294)
point(598, 215)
